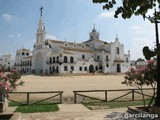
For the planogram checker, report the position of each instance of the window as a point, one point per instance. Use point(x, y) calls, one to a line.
point(50, 60)
point(85, 68)
point(91, 37)
point(127, 60)
point(80, 68)
point(107, 58)
point(8, 62)
point(71, 60)
point(53, 68)
point(54, 60)
point(117, 50)
point(65, 44)
point(72, 68)
point(98, 57)
point(107, 65)
point(65, 59)
point(83, 56)
point(82, 46)
point(27, 54)
point(22, 53)
point(65, 68)
point(97, 36)
point(74, 45)
point(57, 59)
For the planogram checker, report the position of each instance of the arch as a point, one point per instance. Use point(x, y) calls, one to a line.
point(39, 63)
point(91, 69)
point(71, 60)
point(100, 68)
point(65, 59)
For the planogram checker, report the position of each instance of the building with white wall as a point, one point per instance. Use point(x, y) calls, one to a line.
point(50, 56)
point(7, 61)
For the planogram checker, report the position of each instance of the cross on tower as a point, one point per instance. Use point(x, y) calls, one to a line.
point(41, 10)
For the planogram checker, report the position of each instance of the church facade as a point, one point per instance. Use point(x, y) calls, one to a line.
point(55, 56)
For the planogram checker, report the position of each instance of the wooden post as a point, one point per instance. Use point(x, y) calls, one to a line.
point(75, 97)
point(27, 98)
point(60, 97)
point(106, 99)
point(132, 94)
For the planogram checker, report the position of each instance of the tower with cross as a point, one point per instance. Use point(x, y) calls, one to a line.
point(41, 11)
point(40, 35)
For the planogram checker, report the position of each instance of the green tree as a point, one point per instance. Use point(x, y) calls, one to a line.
point(126, 9)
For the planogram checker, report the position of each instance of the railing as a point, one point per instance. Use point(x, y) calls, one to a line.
point(130, 91)
point(56, 93)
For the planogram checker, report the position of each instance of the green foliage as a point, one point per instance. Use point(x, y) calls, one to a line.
point(150, 53)
point(143, 76)
point(37, 108)
point(130, 7)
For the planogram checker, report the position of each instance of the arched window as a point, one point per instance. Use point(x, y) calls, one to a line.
point(127, 60)
point(83, 56)
point(117, 50)
point(54, 59)
point(91, 37)
point(57, 59)
point(22, 53)
point(50, 60)
point(65, 59)
point(71, 60)
point(27, 54)
point(107, 58)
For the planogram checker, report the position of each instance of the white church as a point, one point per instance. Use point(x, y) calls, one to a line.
point(55, 56)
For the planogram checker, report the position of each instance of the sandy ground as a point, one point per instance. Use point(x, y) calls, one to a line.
point(68, 84)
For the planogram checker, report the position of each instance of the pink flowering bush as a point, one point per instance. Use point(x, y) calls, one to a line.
point(143, 76)
point(9, 81)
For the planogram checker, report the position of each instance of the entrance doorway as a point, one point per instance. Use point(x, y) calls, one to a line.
point(118, 68)
point(91, 69)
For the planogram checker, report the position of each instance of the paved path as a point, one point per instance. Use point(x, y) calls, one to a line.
point(74, 114)
point(72, 108)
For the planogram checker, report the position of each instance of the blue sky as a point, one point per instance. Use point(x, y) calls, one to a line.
point(71, 20)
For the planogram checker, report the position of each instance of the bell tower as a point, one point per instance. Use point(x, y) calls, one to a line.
point(94, 35)
point(40, 35)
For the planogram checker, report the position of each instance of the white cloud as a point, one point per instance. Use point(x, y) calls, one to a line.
point(136, 27)
point(52, 37)
point(11, 36)
point(106, 15)
point(9, 17)
point(18, 34)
